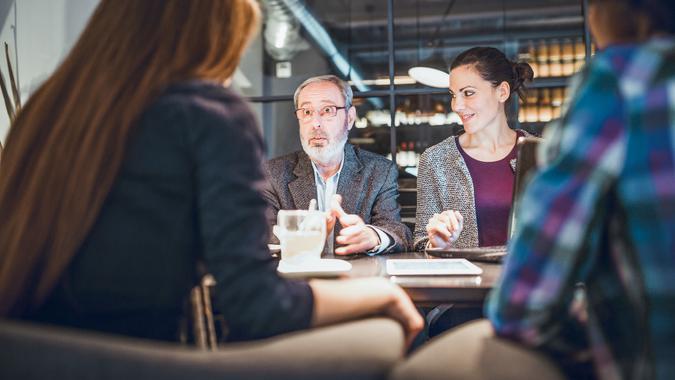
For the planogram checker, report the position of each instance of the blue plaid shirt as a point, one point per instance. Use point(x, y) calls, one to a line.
point(601, 213)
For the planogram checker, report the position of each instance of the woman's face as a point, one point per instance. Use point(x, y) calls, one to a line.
point(476, 101)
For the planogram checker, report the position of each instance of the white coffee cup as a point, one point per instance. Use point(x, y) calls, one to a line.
point(302, 234)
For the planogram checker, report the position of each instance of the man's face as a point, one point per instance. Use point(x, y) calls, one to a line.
point(323, 134)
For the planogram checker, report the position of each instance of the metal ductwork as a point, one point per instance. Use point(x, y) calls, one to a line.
point(298, 12)
point(282, 31)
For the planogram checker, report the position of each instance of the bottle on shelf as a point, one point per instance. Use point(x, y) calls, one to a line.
point(554, 55)
point(545, 112)
point(543, 59)
point(579, 54)
point(557, 98)
point(532, 58)
point(412, 156)
point(567, 57)
point(401, 158)
point(417, 159)
point(522, 110)
point(531, 107)
point(541, 105)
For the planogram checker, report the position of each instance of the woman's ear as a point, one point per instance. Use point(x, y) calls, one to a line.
point(503, 92)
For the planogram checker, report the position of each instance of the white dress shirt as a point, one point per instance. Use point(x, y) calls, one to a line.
point(325, 190)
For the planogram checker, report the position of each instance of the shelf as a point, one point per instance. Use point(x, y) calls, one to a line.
point(536, 123)
point(548, 82)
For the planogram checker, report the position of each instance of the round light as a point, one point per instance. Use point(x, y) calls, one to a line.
point(429, 76)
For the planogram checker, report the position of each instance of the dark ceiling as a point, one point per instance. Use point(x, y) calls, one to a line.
point(422, 28)
point(425, 29)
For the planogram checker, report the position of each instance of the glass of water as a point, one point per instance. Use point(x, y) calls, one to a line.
point(302, 234)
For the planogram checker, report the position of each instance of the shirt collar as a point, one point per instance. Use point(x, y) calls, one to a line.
point(318, 176)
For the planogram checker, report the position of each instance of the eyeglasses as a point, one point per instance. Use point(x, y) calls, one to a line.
point(325, 113)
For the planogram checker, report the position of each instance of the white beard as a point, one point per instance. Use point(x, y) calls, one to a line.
point(326, 154)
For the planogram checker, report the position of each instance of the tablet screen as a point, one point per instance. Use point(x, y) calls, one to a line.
point(432, 267)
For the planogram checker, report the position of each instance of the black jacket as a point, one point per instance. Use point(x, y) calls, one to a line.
point(189, 188)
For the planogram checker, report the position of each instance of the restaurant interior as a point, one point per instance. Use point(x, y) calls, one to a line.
point(351, 39)
point(395, 55)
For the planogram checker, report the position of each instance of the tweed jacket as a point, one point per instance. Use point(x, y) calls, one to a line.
point(444, 183)
point(367, 183)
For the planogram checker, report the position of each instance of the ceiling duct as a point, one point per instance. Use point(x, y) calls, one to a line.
point(296, 12)
point(282, 32)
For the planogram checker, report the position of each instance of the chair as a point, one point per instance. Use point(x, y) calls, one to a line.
point(200, 322)
point(365, 349)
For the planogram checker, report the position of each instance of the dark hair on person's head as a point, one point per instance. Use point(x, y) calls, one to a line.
point(493, 66)
point(660, 13)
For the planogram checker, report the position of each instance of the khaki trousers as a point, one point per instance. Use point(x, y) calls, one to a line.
point(473, 352)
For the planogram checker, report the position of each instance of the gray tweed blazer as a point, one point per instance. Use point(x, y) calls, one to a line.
point(368, 185)
point(444, 183)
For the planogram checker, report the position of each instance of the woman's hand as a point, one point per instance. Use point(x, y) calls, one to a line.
point(403, 310)
point(443, 229)
point(348, 299)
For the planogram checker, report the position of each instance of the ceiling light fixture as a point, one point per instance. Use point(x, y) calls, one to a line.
point(432, 71)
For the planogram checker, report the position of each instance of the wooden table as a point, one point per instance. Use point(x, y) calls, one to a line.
point(431, 290)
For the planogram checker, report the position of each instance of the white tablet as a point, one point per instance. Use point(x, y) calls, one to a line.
point(460, 267)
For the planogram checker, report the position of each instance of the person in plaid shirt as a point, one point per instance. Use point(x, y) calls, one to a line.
point(588, 286)
point(601, 213)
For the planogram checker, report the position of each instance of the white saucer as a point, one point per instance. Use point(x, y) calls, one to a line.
point(315, 268)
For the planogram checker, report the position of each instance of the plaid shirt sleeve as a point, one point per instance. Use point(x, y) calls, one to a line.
point(559, 215)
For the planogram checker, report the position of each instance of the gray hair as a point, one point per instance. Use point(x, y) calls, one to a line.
point(344, 87)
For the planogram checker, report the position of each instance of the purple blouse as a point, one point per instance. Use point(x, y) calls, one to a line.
point(493, 189)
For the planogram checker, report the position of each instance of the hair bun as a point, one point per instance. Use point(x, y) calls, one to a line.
point(522, 73)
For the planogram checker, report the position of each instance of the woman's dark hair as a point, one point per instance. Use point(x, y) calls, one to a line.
point(493, 66)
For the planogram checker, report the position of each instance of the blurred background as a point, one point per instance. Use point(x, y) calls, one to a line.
point(367, 42)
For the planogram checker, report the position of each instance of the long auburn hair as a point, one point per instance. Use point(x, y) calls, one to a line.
point(65, 148)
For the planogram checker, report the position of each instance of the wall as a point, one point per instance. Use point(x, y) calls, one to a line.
point(39, 33)
point(281, 125)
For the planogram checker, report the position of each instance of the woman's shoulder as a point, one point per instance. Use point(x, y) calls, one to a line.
point(203, 103)
point(201, 111)
point(444, 149)
point(201, 96)
point(524, 133)
point(441, 160)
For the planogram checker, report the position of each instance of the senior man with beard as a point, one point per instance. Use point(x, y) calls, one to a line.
point(357, 189)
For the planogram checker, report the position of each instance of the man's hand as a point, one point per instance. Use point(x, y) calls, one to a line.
point(355, 236)
point(330, 222)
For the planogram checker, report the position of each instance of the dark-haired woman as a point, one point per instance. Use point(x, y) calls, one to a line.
point(465, 182)
point(600, 211)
